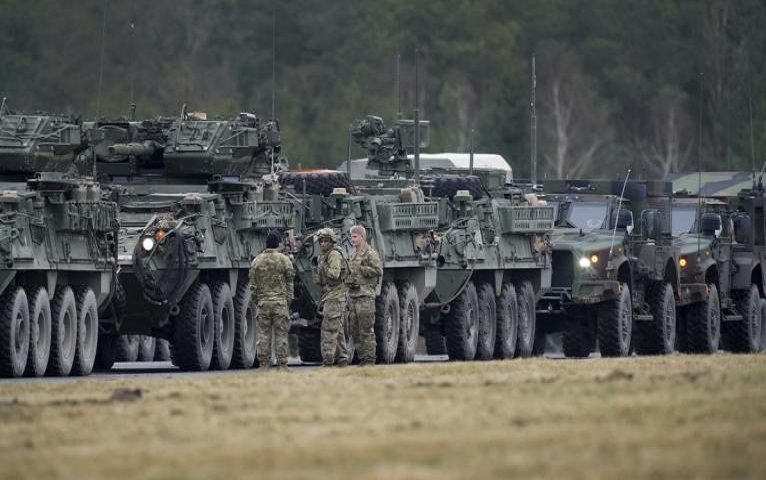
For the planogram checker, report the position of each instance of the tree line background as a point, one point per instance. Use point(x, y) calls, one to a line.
point(657, 85)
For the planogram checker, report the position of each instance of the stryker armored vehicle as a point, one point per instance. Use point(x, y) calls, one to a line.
point(58, 249)
point(722, 254)
point(481, 240)
point(191, 224)
point(612, 282)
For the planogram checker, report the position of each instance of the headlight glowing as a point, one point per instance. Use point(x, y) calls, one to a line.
point(584, 262)
point(159, 234)
point(147, 244)
point(682, 262)
point(594, 259)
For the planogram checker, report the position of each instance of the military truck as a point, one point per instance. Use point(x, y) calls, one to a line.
point(480, 240)
point(191, 225)
point(614, 285)
point(721, 271)
point(58, 245)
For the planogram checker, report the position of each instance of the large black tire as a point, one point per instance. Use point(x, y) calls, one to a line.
point(310, 345)
point(507, 322)
point(462, 325)
point(703, 324)
point(387, 323)
point(485, 348)
point(577, 339)
point(39, 333)
point(657, 336)
point(409, 323)
point(162, 351)
point(106, 352)
point(14, 332)
point(744, 336)
point(146, 347)
point(448, 185)
point(615, 325)
point(525, 340)
point(319, 182)
point(435, 341)
point(223, 315)
point(63, 332)
point(87, 331)
point(245, 329)
point(127, 348)
point(194, 332)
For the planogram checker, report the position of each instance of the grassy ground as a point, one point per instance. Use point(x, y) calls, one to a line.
point(671, 417)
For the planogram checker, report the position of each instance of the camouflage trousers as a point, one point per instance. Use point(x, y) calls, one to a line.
point(361, 317)
point(273, 317)
point(333, 332)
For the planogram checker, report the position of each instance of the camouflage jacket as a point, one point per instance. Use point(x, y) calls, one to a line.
point(364, 271)
point(271, 277)
point(331, 273)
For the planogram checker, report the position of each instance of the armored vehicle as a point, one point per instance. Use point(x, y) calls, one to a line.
point(58, 246)
point(613, 283)
point(721, 242)
point(191, 224)
point(481, 240)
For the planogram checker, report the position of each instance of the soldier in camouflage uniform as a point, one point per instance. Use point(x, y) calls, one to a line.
point(364, 272)
point(271, 286)
point(331, 271)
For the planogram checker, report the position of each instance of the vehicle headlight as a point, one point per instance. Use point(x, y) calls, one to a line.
point(594, 259)
point(584, 262)
point(147, 244)
point(682, 262)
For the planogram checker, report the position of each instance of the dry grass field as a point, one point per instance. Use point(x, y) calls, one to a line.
point(671, 417)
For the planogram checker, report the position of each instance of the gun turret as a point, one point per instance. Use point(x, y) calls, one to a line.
point(387, 148)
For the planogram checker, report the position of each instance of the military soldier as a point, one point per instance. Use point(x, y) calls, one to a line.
point(271, 286)
point(364, 272)
point(331, 271)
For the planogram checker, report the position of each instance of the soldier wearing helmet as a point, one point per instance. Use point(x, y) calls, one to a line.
point(330, 274)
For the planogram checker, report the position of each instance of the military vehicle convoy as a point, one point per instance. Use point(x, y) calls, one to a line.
point(190, 225)
point(455, 250)
point(612, 282)
point(58, 244)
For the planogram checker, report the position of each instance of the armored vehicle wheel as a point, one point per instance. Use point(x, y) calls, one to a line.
point(39, 333)
point(87, 331)
point(310, 345)
point(146, 346)
point(507, 322)
point(63, 332)
point(485, 347)
point(615, 325)
point(527, 319)
point(657, 336)
point(194, 331)
point(162, 350)
point(703, 324)
point(317, 182)
point(106, 352)
point(462, 325)
point(223, 315)
point(14, 332)
point(744, 336)
point(127, 348)
point(245, 329)
point(409, 327)
point(577, 339)
point(435, 342)
point(387, 323)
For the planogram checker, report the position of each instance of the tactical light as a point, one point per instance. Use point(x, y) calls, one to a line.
point(147, 244)
point(584, 262)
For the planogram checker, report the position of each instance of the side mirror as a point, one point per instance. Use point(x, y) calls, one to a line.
point(743, 228)
point(711, 224)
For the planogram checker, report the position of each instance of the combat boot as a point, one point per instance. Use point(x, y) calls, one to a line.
point(283, 368)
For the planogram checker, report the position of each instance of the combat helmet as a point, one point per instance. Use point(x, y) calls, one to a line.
point(327, 233)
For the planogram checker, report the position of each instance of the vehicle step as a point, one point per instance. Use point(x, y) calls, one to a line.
point(643, 318)
point(731, 318)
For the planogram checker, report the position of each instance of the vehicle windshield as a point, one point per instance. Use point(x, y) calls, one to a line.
point(589, 215)
point(683, 219)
